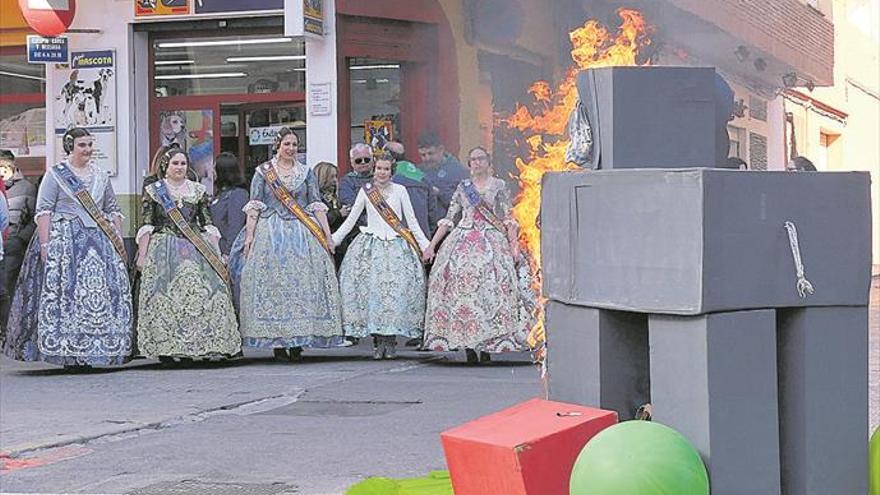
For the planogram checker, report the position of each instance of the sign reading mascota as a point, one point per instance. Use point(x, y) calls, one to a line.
point(48, 17)
point(92, 60)
point(47, 50)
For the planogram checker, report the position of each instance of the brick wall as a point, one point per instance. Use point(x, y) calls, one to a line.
point(786, 29)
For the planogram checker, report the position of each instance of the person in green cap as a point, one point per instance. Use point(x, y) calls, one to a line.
point(421, 195)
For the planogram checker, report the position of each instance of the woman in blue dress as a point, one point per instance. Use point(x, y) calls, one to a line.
point(72, 306)
point(282, 260)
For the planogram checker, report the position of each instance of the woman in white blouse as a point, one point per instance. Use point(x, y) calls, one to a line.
point(382, 280)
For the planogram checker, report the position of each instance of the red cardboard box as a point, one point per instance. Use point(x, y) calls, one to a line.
point(528, 449)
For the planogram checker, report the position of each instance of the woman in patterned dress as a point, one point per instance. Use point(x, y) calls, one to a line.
point(72, 306)
point(185, 306)
point(474, 301)
point(382, 278)
point(288, 288)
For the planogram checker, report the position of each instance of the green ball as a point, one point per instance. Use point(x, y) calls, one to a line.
point(639, 457)
point(874, 463)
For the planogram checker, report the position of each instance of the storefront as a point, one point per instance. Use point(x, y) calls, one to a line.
point(22, 94)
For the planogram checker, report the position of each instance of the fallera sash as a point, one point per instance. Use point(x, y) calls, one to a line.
point(378, 201)
point(164, 196)
point(289, 202)
point(81, 194)
point(474, 198)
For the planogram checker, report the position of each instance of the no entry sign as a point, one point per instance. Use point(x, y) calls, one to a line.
point(48, 17)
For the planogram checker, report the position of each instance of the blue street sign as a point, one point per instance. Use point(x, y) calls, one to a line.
point(42, 50)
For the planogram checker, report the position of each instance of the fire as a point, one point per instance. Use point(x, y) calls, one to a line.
point(543, 128)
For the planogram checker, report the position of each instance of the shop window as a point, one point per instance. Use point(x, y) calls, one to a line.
point(228, 65)
point(375, 100)
point(23, 111)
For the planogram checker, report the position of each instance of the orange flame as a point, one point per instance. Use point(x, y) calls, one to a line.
point(543, 128)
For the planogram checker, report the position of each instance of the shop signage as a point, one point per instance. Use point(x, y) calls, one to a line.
point(42, 50)
point(214, 6)
point(304, 18)
point(48, 17)
point(320, 99)
point(84, 95)
point(146, 8)
point(263, 135)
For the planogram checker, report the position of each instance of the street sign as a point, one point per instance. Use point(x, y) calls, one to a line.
point(42, 50)
point(48, 17)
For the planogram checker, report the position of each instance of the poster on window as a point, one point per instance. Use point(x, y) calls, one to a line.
point(145, 8)
point(192, 130)
point(378, 132)
point(84, 95)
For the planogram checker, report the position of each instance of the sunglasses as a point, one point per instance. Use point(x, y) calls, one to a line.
point(360, 161)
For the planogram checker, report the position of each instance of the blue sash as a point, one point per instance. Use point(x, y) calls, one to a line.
point(474, 198)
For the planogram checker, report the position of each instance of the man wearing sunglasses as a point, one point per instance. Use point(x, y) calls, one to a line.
point(361, 161)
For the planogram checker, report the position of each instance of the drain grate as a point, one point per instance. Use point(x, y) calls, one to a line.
point(342, 409)
point(196, 487)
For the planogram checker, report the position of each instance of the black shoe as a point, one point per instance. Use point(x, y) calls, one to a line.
point(280, 354)
point(416, 342)
point(166, 361)
point(471, 356)
point(485, 357)
point(295, 354)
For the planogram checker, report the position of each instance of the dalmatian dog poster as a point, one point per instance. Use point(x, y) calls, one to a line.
point(85, 96)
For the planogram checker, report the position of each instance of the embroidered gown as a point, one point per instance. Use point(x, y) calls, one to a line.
point(289, 295)
point(474, 296)
point(74, 309)
point(185, 307)
point(382, 279)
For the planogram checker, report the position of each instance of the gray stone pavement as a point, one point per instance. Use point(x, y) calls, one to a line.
point(320, 425)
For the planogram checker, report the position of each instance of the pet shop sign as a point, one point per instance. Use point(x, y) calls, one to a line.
point(84, 95)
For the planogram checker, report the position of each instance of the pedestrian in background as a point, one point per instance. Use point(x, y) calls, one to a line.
point(382, 280)
point(226, 208)
point(72, 305)
point(422, 195)
point(185, 304)
point(474, 301)
point(289, 291)
point(800, 164)
point(328, 185)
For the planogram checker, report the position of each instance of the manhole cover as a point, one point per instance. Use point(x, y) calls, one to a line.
point(344, 409)
point(195, 487)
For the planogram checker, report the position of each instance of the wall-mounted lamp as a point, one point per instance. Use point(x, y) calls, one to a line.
point(789, 80)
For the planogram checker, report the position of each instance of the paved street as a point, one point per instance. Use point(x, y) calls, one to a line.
point(272, 428)
point(320, 425)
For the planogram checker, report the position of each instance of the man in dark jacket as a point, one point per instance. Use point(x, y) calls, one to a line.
point(361, 157)
point(22, 198)
point(442, 171)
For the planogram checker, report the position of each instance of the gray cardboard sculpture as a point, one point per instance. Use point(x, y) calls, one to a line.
point(734, 302)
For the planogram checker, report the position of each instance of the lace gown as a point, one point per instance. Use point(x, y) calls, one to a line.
point(382, 279)
point(289, 295)
point(184, 307)
point(474, 296)
point(74, 309)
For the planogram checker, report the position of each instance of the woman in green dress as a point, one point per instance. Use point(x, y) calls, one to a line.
point(185, 304)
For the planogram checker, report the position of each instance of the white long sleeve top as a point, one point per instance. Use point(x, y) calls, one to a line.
point(398, 199)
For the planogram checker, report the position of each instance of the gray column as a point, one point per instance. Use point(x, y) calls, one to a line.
point(598, 357)
point(713, 379)
point(823, 390)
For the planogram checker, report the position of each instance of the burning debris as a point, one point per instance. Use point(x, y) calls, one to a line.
point(542, 125)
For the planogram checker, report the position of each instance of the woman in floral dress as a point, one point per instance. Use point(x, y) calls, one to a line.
point(474, 301)
point(283, 260)
point(185, 303)
point(72, 306)
point(382, 278)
